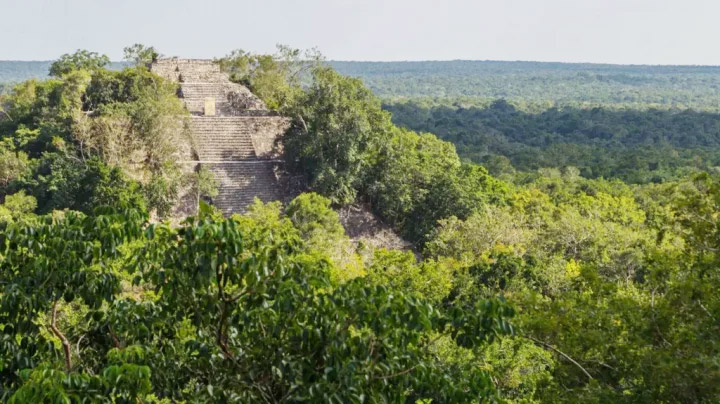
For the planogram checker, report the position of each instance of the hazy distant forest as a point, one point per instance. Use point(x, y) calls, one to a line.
point(562, 223)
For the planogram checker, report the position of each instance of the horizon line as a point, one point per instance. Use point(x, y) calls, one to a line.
point(436, 61)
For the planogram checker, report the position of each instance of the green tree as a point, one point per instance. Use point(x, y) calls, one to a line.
point(276, 78)
point(342, 128)
point(13, 164)
point(420, 180)
point(312, 215)
point(319, 226)
point(130, 119)
point(205, 185)
point(399, 270)
point(278, 331)
point(141, 55)
point(17, 207)
point(80, 60)
point(59, 259)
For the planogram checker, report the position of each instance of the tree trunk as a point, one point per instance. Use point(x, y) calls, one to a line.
point(61, 336)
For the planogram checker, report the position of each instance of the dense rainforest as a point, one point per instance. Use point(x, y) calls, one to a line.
point(556, 285)
point(637, 146)
point(542, 83)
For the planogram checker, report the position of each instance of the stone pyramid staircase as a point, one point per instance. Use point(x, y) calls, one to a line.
point(222, 138)
point(224, 145)
point(243, 180)
point(238, 143)
point(230, 98)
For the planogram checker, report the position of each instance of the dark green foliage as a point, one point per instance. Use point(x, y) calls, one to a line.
point(259, 307)
point(235, 315)
point(615, 289)
point(347, 147)
point(638, 146)
point(342, 128)
point(111, 87)
point(105, 186)
point(56, 258)
point(420, 180)
point(59, 183)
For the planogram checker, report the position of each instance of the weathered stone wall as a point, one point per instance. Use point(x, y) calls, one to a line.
point(189, 70)
point(200, 79)
point(266, 133)
point(230, 99)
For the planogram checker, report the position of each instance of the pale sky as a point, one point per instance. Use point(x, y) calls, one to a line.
point(602, 31)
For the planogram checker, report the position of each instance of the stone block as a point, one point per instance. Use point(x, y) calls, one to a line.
point(210, 106)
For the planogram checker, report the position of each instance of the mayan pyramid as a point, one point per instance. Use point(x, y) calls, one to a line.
point(235, 135)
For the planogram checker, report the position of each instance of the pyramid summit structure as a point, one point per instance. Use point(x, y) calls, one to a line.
point(234, 135)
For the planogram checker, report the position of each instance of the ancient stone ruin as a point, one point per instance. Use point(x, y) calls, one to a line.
point(235, 136)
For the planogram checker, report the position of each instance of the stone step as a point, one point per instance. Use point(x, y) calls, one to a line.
point(222, 129)
point(196, 107)
point(230, 152)
point(221, 119)
point(195, 77)
point(222, 126)
point(192, 92)
point(222, 138)
point(241, 181)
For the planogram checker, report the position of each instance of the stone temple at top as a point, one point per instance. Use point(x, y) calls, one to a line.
point(234, 135)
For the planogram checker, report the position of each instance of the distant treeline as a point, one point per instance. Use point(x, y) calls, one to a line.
point(561, 83)
point(637, 146)
point(12, 71)
point(533, 82)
